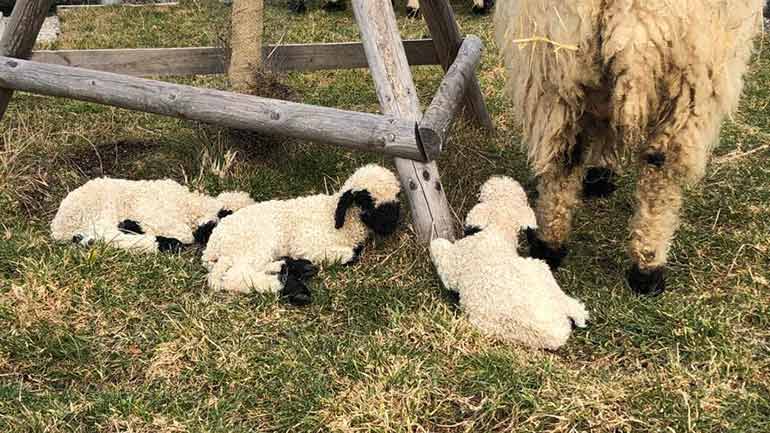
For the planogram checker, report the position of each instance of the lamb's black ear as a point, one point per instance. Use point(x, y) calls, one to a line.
point(346, 200)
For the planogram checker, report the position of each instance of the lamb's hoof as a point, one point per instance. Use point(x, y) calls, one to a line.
point(334, 6)
point(296, 292)
point(412, 12)
point(168, 245)
point(452, 297)
point(298, 269)
point(599, 182)
point(648, 283)
point(77, 239)
point(488, 4)
point(540, 250)
point(298, 7)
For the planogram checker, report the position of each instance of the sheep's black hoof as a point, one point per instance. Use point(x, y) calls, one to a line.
point(488, 5)
point(296, 292)
point(130, 227)
point(540, 250)
point(334, 6)
point(77, 239)
point(298, 269)
point(599, 182)
point(648, 283)
point(168, 245)
point(412, 12)
point(297, 6)
point(471, 230)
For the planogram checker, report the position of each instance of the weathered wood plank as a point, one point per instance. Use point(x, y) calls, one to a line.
point(129, 5)
point(146, 62)
point(20, 34)
point(447, 39)
point(435, 124)
point(362, 131)
point(398, 96)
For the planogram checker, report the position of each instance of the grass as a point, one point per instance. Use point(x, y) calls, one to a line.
point(103, 340)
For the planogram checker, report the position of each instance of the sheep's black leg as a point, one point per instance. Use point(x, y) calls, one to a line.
point(558, 198)
point(659, 199)
point(170, 245)
point(599, 182)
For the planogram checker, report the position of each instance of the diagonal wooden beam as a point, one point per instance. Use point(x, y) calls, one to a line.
point(447, 40)
point(398, 97)
point(20, 34)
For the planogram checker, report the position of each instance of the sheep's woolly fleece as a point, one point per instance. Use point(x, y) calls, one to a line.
point(654, 68)
point(506, 296)
point(155, 209)
point(248, 250)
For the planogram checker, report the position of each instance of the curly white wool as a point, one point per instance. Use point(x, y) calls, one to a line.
point(247, 251)
point(160, 207)
point(506, 296)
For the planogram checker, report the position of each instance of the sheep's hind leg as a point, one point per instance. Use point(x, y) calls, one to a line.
point(659, 200)
point(559, 196)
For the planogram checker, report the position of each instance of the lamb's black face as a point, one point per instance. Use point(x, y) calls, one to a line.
point(382, 219)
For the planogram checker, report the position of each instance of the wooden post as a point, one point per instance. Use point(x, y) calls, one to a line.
point(245, 43)
point(361, 131)
point(398, 97)
point(435, 124)
point(447, 40)
point(20, 34)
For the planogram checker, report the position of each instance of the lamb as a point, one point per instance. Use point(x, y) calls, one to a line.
point(506, 296)
point(145, 216)
point(480, 7)
point(273, 246)
point(596, 83)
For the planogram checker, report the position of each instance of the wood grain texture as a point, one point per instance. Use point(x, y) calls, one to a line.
point(435, 124)
point(20, 34)
point(246, 27)
point(362, 131)
point(447, 40)
point(397, 94)
point(147, 62)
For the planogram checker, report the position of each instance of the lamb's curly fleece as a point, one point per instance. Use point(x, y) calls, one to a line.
point(596, 80)
point(161, 207)
point(247, 250)
point(506, 296)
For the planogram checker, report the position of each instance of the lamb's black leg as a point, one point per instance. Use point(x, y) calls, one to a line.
point(130, 227)
point(296, 292)
point(170, 245)
point(599, 182)
point(299, 269)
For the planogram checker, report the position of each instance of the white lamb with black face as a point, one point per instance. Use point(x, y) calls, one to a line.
point(141, 215)
point(506, 296)
point(273, 246)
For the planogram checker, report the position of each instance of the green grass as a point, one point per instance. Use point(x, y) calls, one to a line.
point(103, 340)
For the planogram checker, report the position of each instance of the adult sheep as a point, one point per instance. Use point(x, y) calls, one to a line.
point(596, 83)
